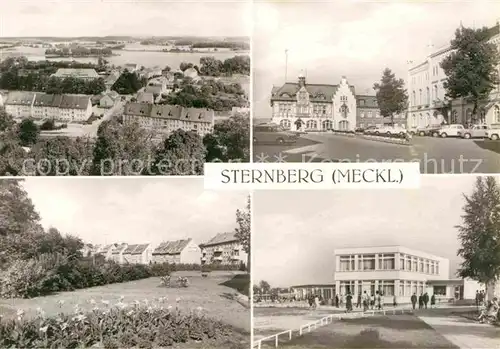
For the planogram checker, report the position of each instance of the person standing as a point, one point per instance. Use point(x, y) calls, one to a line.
point(413, 300)
point(433, 300)
point(316, 302)
point(394, 301)
point(477, 299)
point(378, 300)
point(348, 302)
point(372, 302)
point(337, 301)
point(366, 301)
point(358, 303)
point(420, 301)
point(426, 299)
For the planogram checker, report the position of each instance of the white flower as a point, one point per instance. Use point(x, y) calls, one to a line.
point(20, 312)
point(130, 312)
point(178, 299)
point(60, 302)
point(105, 302)
point(64, 326)
point(44, 329)
point(200, 309)
point(169, 307)
point(92, 301)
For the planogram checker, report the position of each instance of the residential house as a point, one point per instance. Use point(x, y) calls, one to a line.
point(131, 67)
point(224, 248)
point(85, 74)
point(167, 118)
point(145, 97)
point(110, 80)
point(179, 252)
point(117, 253)
point(192, 74)
point(137, 254)
point(87, 250)
point(150, 73)
point(109, 99)
point(19, 104)
point(46, 106)
point(75, 108)
point(106, 251)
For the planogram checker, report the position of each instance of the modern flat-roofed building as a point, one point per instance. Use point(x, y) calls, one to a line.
point(393, 270)
point(325, 291)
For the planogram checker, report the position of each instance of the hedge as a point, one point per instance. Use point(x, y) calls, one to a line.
point(54, 273)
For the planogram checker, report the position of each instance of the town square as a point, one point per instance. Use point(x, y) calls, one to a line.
point(378, 269)
point(388, 87)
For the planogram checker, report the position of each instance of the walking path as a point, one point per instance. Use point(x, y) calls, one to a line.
point(465, 333)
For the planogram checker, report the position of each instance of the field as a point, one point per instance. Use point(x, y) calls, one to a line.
point(217, 301)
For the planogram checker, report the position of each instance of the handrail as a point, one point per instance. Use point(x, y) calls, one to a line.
point(322, 322)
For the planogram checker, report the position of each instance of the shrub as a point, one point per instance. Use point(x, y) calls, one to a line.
point(126, 325)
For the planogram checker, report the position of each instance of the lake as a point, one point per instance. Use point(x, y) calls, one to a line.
point(135, 55)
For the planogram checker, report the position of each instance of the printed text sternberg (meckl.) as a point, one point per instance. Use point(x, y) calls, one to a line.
point(310, 176)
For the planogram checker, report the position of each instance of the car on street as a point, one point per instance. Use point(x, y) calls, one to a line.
point(272, 133)
point(432, 131)
point(452, 130)
point(370, 130)
point(476, 131)
point(493, 132)
point(389, 131)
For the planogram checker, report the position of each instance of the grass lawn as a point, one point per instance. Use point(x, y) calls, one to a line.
point(216, 300)
point(399, 331)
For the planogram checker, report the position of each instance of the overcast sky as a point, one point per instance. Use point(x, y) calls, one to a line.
point(124, 17)
point(357, 39)
point(295, 232)
point(134, 210)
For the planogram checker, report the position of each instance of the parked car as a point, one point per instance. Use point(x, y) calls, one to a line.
point(271, 133)
point(493, 132)
point(390, 130)
point(476, 131)
point(432, 131)
point(370, 130)
point(452, 130)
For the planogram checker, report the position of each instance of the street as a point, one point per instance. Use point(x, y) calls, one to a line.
point(435, 155)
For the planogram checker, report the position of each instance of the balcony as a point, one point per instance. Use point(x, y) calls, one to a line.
point(218, 258)
point(218, 250)
point(235, 257)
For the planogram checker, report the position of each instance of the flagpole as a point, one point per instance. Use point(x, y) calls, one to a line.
point(286, 64)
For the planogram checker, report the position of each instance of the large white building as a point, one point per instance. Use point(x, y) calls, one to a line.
point(179, 252)
point(393, 270)
point(223, 248)
point(42, 106)
point(84, 74)
point(426, 93)
point(164, 119)
point(319, 107)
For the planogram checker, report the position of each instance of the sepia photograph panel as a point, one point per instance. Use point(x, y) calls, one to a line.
point(378, 269)
point(123, 263)
point(393, 81)
point(123, 87)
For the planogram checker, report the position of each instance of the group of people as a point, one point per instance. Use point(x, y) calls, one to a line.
point(488, 310)
point(423, 300)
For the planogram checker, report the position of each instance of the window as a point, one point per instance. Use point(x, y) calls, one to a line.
point(437, 268)
point(346, 287)
point(387, 288)
point(439, 290)
point(343, 98)
point(427, 269)
point(454, 117)
point(428, 96)
point(496, 114)
point(436, 92)
point(420, 265)
point(402, 261)
point(347, 263)
point(369, 114)
point(386, 262)
point(420, 100)
point(366, 262)
point(414, 100)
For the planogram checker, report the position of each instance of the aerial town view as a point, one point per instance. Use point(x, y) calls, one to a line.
point(378, 269)
point(143, 272)
point(394, 84)
point(98, 98)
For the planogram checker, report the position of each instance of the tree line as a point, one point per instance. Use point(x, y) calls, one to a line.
point(119, 150)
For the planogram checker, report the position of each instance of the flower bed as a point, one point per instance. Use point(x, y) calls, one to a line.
point(138, 324)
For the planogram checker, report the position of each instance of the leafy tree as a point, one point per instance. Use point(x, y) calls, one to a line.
point(128, 83)
point(391, 95)
point(181, 153)
point(19, 222)
point(121, 149)
point(62, 156)
point(6, 121)
point(230, 140)
point(28, 132)
point(243, 231)
point(479, 233)
point(210, 66)
point(264, 286)
point(471, 68)
point(184, 66)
